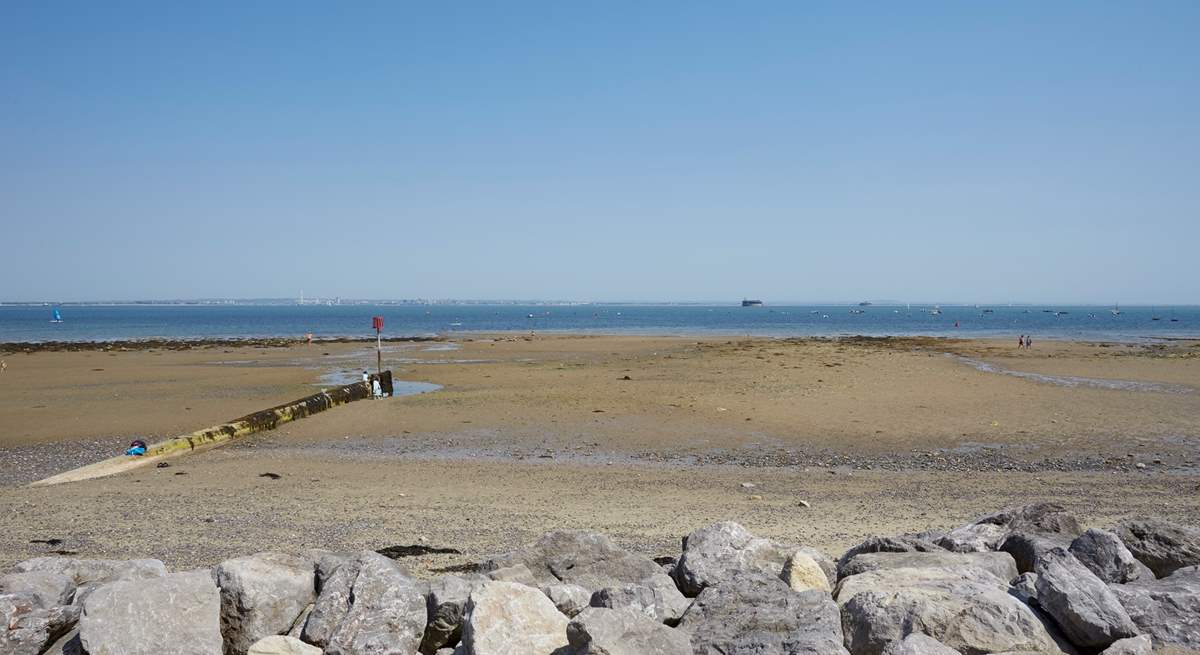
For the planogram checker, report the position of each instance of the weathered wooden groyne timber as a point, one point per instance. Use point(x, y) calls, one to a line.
point(267, 419)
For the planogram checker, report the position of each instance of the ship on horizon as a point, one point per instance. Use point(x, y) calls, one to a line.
point(751, 303)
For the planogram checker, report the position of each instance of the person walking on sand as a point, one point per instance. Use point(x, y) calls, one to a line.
point(1020, 342)
point(3, 365)
point(1028, 342)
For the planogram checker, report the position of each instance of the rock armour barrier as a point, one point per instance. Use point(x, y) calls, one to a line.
point(728, 592)
point(260, 421)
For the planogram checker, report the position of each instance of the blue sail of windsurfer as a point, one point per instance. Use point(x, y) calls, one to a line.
point(57, 316)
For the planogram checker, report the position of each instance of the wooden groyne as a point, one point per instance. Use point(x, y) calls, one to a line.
point(267, 419)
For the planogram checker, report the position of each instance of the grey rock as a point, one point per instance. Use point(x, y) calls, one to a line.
point(1164, 547)
point(757, 613)
point(281, 645)
point(1027, 548)
point(324, 563)
point(973, 538)
point(570, 599)
point(68, 644)
point(297, 628)
point(656, 598)
point(261, 596)
point(586, 559)
point(900, 544)
point(506, 618)
point(1024, 588)
point(27, 627)
point(178, 613)
point(518, 573)
point(1104, 554)
point(966, 608)
point(1139, 645)
point(999, 564)
point(369, 606)
point(602, 631)
point(52, 589)
point(446, 604)
point(1167, 609)
point(723, 551)
point(1088, 613)
point(85, 571)
point(918, 644)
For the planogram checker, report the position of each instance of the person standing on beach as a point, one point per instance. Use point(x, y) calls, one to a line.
point(1020, 342)
point(3, 365)
point(1028, 342)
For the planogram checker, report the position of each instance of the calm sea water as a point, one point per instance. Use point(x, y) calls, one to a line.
point(92, 323)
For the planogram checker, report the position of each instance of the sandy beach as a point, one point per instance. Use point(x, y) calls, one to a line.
point(642, 437)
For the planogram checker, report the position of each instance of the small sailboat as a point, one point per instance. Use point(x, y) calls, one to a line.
point(1116, 310)
point(57, 316)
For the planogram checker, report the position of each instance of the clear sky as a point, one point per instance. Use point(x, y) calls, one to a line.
point(1006, 151)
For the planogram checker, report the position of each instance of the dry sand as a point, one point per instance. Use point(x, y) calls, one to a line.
point(530, 434)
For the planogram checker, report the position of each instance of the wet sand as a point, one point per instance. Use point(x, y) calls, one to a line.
point(529, 434)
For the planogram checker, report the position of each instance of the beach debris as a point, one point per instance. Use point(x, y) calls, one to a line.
point(53, 541)
point(416, 550)
point(162, 465)
point(755, 497)
point(804, 503)
point(747, 485)
point(273, 476)
point(624, 378)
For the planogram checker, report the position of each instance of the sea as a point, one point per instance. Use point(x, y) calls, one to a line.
point(26, 323)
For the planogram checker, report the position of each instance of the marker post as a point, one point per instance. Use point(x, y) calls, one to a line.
point(377, 323)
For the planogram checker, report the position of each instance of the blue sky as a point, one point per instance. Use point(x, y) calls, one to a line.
point(1018, 151)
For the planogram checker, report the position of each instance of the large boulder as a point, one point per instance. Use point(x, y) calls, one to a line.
point(899, 544)
point(1164, 547)
point(602, 631)
point(999, 564)
point(802, 573)
point(1028, 548)
point(1167, 609)
point(988, 532)
point(1104, 554)
point(446, 604)
point(757, 613)
point(570, 599)
point(262, 595)
point(368, 606)
point(967, 608)
point(27, 627)
point(179, 613)
point(725, 550)
point(586, 559)
point(1139, 645)
point(282, 645)
point(85, 571)
point(655, 597)
point(918, 644)
point(50, 588)
point(1088, 613)
point(506, 618)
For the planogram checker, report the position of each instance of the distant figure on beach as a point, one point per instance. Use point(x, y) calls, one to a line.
point(1028, 342)
point(309, 338)
point(376, 389)
point(3, 365)
point(1020, 342)
point(367, 378)
point(136, 449)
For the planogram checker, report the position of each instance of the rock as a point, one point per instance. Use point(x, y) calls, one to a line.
point(601, 631)
point(506, 618)
point(27, 627)
point(918, 644)
point(756, 613)
point(570, 599)
point(967, 608)
point(901, 544)
point(67, 644)
point(1139, 645)
point(1167, 609)
point(85, 571)
point(974, 538)
point(999, 564)
point(989, 531)
point(802, 573)
point(446, 604)
point(325, 563)
point(586, 559)
point(179, 613)
point(1024, 588)
point(518, 573)
point(723, 551)
point(1162, 546)
point(1088, 613)
point(1104, 554)
point(281, 645)
point(261, 596)
point(52, 589)
point(368, 606)
point(1027, 548)
point(656, 598)
point(297, 628)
